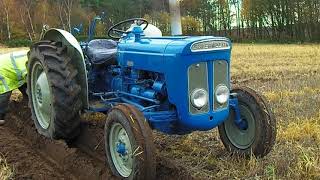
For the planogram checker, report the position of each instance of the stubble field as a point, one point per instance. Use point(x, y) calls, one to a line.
point(289, 77)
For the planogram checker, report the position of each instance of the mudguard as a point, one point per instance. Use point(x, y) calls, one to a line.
point(75, 52)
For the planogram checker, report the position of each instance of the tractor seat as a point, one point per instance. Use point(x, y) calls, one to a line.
point(102, 51)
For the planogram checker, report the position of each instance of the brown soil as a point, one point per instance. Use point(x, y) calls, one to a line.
point(22, 156)
point(35, 157)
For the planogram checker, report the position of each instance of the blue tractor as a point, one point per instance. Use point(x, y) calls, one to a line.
point(143, 82)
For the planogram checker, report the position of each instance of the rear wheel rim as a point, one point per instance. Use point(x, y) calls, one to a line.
point(123, 161)
point(41, 95)
point(241, 138)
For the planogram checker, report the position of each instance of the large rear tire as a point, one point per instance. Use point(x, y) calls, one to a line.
point(129, 144)
point(54, 93)
point(259, 136)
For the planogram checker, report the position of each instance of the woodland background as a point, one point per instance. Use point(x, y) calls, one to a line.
point(240, 20)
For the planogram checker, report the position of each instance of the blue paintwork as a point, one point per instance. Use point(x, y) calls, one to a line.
point(77, 29)
point(121, 148)
point(168, 59)
point(92, 28)
point(234, 104)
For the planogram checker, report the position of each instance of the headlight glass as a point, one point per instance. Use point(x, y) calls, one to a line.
point(222, 94)
point(199, 98)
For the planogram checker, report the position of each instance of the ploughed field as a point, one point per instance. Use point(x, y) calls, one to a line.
point(289, 77)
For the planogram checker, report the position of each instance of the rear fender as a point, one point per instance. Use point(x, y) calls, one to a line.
point(75, 52)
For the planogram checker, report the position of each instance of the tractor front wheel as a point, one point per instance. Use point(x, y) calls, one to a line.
point(258, 137)
point(129, 144)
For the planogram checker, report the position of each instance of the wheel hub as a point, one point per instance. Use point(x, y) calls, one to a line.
point(121, 150)
point(243, 125)
point(41, 96)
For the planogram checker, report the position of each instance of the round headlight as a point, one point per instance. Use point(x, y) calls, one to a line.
point(199, 98)
point(222, 94)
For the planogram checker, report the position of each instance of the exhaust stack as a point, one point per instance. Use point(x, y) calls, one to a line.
point(176, 28)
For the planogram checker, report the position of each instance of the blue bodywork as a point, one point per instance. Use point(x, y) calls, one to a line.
point(152, 75)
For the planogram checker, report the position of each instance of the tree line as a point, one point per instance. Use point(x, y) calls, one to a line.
point(241, 20)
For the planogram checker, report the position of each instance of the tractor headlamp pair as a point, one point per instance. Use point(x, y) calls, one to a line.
point(199, 97)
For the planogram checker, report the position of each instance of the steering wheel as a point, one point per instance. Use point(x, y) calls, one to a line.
point(114, 29)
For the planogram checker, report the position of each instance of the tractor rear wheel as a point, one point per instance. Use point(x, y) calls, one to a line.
point(258, 137)
point(54, 93)
point(129, 144)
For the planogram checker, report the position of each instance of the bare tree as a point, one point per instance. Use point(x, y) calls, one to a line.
point(68, 10)
point(28, 5)
point(5, 6)
point(65, 12)
point(22, 13)
point(61, 15)
point(26, 18)
point(236, 4)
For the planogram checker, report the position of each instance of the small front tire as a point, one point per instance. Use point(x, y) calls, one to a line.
point(259, 136)
point(129, 144)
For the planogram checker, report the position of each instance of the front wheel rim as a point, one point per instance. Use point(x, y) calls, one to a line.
point(121, 150)
point(241, 138)
point(41, 95)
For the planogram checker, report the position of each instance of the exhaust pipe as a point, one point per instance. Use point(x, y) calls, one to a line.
point(176, 28)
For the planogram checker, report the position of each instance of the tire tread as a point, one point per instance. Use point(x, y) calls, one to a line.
point(65, 89)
